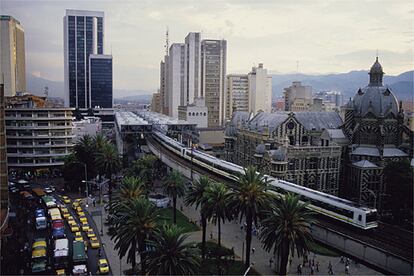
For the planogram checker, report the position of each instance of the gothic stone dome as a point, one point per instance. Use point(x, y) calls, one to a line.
point(375, 98)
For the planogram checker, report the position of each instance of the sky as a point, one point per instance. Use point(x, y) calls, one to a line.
point(315, 37)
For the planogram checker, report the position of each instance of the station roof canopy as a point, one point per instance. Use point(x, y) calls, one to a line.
point(128, 118)
point(161, 119)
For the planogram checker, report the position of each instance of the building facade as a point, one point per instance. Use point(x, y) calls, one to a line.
point(195, 113)
point(100, 81)
point(298, 97)
point(38, 138)
point(287, 146)
point(192, 67)
point(4, 184)
point(213, 79)
point(156, 104)
point(12, 56)
point(175, 78)
point(374, 125)
point(83, 33)
point(237, 95)
point(260, 90)
point(89, 125)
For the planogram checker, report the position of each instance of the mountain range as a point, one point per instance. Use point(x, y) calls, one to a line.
point(347, 83)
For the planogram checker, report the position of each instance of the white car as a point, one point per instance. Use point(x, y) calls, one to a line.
point(48, 190)
point(159, 200)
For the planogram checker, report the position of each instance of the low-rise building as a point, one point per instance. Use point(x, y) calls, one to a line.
point(195, 113)
point(89, 125)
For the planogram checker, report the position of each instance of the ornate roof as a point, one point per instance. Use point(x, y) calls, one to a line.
point(375, 98)
point(319, 120)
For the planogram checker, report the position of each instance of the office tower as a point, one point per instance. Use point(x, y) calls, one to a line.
point(4, 188)
point(175, 78)
point(156, 105)
point(100, 81)
point(260, 90)
point(237, 95)
point(298, 97)
point(83, 33)
point(163, 87)
point(213, 79)
point(12, 56)
point(192, 67)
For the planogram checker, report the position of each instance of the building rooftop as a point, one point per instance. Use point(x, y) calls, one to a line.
point(128, 118)
point(158, 118)
point(364, 164)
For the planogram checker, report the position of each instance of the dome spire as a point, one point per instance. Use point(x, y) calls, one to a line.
point(376, 73)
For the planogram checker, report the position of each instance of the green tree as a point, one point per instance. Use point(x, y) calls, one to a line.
point(71, 169)
point(248, 199)
point(286, 228)
point(174, 187)
point(131, 225)
point(84, 151)
point(399, 179)
point(130, 189)
point(217, 195)
point(145, 168)
point(197, 196)
point(108, 161)
point(171, 254)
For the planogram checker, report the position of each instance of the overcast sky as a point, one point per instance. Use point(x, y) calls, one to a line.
point(325, 36)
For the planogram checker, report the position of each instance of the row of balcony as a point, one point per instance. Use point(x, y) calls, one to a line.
point(35, 126)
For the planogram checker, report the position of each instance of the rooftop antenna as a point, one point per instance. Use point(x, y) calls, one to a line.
point(166, 42)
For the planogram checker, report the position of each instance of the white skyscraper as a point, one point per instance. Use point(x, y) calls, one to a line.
point(260, 90)
point(192, 67)
point(12, 56)
point(175, 86)
point(213, 79)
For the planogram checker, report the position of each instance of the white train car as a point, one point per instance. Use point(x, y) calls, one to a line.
point(328, 205)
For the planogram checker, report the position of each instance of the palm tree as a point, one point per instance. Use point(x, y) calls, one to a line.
point(108, 161)
point(217, 195)
point(144, 168)
point(84, 151)
point(174, 187)
point(197, 195)
point(130, 189)
point(171, 254)
point(286, 227)
point(131, 225)
point(247, 199)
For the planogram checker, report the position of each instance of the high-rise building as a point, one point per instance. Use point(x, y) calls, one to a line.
point(260, 90)
point(4, 187)
point(12, 56)
point(175, 78)
point(237, 96)
point(213, 79)
point(192, 67)
point(83, 33)
point(100, 81)
point(163, 85)
point(156, 105)
point(298, 97)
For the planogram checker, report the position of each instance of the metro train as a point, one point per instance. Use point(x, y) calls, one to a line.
point(334, 207)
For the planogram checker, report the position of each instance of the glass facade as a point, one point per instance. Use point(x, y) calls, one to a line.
point(101, 82)
point(80, 45)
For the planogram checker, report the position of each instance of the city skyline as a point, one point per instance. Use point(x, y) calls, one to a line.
point(264, 32)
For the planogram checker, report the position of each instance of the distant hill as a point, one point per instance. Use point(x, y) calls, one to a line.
point(347, 83)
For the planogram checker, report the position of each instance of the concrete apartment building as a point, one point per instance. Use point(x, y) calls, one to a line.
point(38, 137)
point(195, 113)
point(192, 67)
point(298, 97)
point(156, 104)
point(237, 96)
point(260, 90)
point(4, 187)
point(12, 56)
point(83, 33)
point(213, 79)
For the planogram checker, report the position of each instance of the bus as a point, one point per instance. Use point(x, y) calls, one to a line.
point(39, 192)
point(79, 258)
point(54, 214)
point(39, 255)
point(61, 253)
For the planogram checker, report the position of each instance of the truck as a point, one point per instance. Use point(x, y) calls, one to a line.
point(39, 192)
point(79, 258)
point(39, 254)
point(54, 214)
point(61, 253)
point(40, 219)
point(58, 229)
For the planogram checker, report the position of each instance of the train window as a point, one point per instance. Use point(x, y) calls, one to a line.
point(371, 217)
point(359, 217)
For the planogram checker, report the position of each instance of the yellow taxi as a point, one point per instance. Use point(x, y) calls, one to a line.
point(65, 215)
point(75, 204)
point(81, 214)
point(70, 218)
point(85, 227)
point(83, 219)
point(63, 209)
point(60, 272)
point(66, 199)
point(74, 228)
point(90, 233)
point(39, 248)
point(95, 243)
point(103, 266)
point(78, 236)
point(71, 221)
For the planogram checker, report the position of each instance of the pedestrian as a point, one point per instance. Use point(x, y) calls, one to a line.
point(330, 271)
point(347, 261)
point(290, 261)
point(270, 262)
point(211, 235)
point(346, 269)
point(312, 269)
point(313, 261)
point(253, 249)
point(310, 263)
point(94, 202)
point(299, 269)
point(342, 259)
point(241, 228)
point(317, 266)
